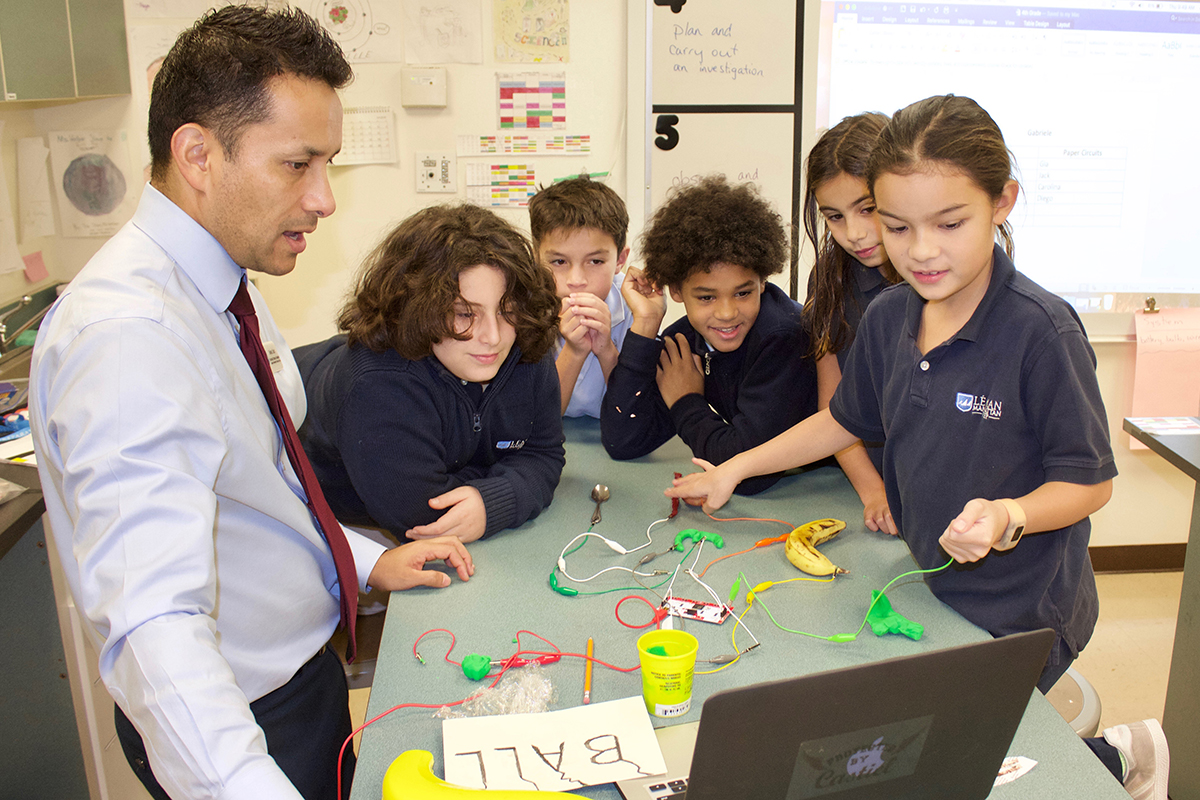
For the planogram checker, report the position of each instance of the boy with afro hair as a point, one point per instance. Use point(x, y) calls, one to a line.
point(733, 373)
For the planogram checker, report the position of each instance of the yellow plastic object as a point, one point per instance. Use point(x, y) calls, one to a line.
point(668, 659)
point(410, 777)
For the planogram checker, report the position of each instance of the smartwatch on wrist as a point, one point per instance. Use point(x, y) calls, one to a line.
point(1016, 525)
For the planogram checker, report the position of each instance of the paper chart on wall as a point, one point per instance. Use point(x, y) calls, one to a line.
point(531, 100)
point(10, 256)
point(33, 189)
point(553, 751)
point(500, 185)
point(92, 180)
point(531, 30)
point(541, 144)
point(443, 31)
point(1166, 377)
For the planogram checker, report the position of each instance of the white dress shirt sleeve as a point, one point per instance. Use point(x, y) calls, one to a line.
point(139, 450)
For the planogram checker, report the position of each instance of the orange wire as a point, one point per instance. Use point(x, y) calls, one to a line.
point(749, 519)
point(759, 543)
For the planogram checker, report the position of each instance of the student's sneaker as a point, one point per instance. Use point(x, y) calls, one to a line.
point(1147, 760)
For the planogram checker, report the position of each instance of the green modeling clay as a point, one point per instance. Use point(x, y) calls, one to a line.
point(476, 667)
point(884, 620)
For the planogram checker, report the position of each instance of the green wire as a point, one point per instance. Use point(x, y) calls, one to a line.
point(847, 637)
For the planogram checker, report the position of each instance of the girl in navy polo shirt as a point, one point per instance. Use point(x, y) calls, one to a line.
point(982, 386)
point(852, 268)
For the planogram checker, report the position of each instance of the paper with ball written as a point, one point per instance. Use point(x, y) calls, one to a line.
point(553, 751)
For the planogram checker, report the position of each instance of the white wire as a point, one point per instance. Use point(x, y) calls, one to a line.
point(601, 572)
point(562, 556)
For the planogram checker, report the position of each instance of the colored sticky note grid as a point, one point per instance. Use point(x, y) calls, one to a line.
point(533, 102)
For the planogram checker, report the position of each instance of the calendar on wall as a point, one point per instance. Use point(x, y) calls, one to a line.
point(368, 136)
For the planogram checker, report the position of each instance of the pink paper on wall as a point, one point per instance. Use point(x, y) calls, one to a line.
point(1166, 380)
point(35, 267)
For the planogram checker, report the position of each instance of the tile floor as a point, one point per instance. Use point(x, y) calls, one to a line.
point(1129, 658)
point(1127, 661)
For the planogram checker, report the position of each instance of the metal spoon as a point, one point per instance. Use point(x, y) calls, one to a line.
point(600, 493)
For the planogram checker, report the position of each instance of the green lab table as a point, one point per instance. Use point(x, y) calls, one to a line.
point(510, 592)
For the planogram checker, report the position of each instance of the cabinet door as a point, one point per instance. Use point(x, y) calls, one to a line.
point(36, 46)
point(101, 60)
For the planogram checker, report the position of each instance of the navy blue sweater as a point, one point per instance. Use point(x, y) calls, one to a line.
point(750, 395)
point(385, 434)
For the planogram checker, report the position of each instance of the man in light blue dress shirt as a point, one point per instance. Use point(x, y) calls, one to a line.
point(181, 524)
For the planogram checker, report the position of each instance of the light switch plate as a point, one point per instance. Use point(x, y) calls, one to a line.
point(437, 172)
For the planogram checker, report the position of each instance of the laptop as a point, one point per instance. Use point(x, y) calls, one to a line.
point(929, 726)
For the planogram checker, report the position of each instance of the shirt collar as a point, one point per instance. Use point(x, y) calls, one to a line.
point(190, 246)
point(1003, 271)
point(616, 304)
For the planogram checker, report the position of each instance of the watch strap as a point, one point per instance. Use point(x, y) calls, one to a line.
point(1016, 525)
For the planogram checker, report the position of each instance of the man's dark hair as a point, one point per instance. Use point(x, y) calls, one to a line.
point(217, 72)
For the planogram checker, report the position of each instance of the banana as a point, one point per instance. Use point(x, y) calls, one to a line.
point(801, 547)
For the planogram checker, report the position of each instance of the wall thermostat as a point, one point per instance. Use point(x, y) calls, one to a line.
point(423, 87)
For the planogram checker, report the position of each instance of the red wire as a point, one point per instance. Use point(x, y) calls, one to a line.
point(453, 641)
point(656, 619)
point(503, 669)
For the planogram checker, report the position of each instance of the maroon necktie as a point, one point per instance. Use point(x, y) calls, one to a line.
point(250, 341)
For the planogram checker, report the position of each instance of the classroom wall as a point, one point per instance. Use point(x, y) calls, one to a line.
point(1151, 502)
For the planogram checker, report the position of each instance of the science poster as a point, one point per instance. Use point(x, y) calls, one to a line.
point(96, 191)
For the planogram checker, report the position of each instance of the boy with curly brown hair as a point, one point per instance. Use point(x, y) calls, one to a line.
point(435, 412)
point(731, 374)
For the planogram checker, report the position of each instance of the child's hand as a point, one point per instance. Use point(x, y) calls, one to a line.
point(465, 517)
point(645, 300)
point(679, 370)
point(970, 535)
point(711, 488)
point(572, 329)
point(593, 315)
point(404, 567)
point(876, 514)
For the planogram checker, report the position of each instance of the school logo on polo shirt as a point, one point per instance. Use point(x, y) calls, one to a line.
point(510, 444)
point(979, 405)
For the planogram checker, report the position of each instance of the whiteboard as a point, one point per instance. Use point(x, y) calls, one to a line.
point(721, 52)
point(713, 88)
point(753, 148)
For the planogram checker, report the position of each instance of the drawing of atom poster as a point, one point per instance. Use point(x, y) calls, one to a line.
point(367, 30)
point(531, 30)
point(97, 193)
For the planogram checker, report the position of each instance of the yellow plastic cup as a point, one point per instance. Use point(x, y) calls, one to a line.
point(668, 664)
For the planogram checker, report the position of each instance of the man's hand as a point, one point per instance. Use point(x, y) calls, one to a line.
point(970, 535)
point(646, 302)
point(403, 567)
point(679, 370)
point(465, 519)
